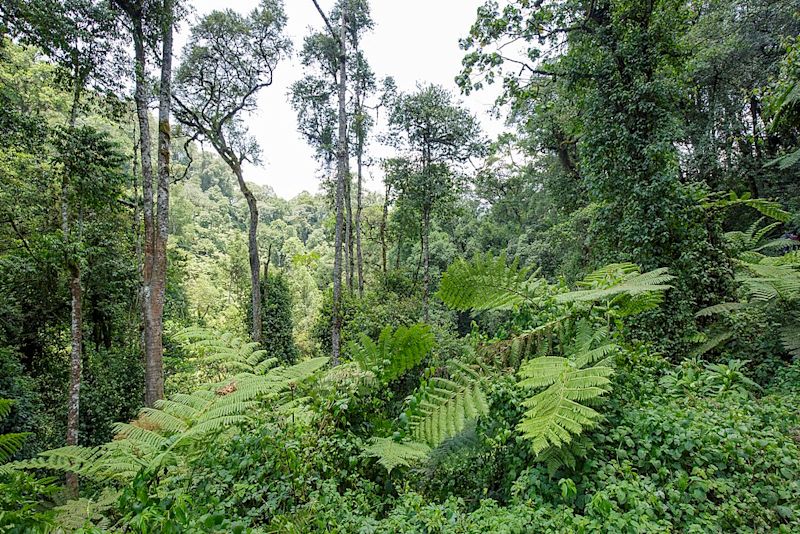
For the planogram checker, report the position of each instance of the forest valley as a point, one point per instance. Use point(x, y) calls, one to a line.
point(589, 323)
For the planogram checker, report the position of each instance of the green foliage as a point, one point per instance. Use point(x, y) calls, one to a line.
point(442, 407)
point(9, 443)
point(561, 411)
point(391, 453)
point(487, 283)
point(396, 351)
point(563, 366)
point(768, 284)
point(623, 287)
point(531, 400)
point(276, 319)
point(26, 502)
point(225, 353)
point(175, 428)
point(768, 208)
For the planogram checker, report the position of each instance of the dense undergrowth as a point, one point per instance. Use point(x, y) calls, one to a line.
point(687, 447)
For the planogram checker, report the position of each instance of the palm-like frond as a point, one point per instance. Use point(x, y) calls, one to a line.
point(447, 404)
point(620, 280)
point(175, 427)
point(769, 208)
point(717, 338)
point(9, 443)
point(5, 407)
point(765, 281)
point(487, 283)
point(559, 412)
point(396, 351)
point(226, 351)
point(391, 454)
point(720, 309)
point(790, 336)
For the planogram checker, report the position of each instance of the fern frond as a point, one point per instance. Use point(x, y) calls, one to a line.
point(184, 412)
point(163, 420)
point(787, 160)
point(137, 434)
point(447, 405)
point(395, 352)
point(711, 343)
point(265, 365)
point(214, 425)
point(487, 283)
point(298, 372)
point(85, 461)
point(10, 444)
point(626, 282)
point(790, 336)
point(769, 208)
point(224, 352)
point(5, 407)
point(756, 234)
point(720, 309)
point(556, 414)
point(391, 454)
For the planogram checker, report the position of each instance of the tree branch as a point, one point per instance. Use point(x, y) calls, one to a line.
point(327, 22)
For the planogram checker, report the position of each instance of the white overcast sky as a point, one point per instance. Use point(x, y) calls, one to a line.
point(413, 40)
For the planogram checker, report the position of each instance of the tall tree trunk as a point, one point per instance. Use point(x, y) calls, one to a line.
point(426, 272)
point(151, 331)
point(360, 135)
point(255, 261)
point(154, 368)
point(76, 315)
point(342, 154)
point(384, 220)
point(359, 207)
point(145, 242)
point(753, 185)
point(348, 233)
point(75, 366)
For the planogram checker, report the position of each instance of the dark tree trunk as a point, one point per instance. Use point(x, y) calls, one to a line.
point(384, 219)
point(156, 290)
point(255, 262)
point(348, 233)
point(359, 192)
point(426, 272)
point(342, 155)
point(76, 315)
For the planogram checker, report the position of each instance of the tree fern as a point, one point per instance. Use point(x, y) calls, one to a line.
point(487, 283)
point(226, 351)
point(766, 282)
point(443, 406)
point(769, 208)
point(9, 443)
point(720, 309)
point(633, 290)
point(395, 352)
point(559, 412)
point(555, 458)
point(790, 335)
point(176, 427)
point(391, 453)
